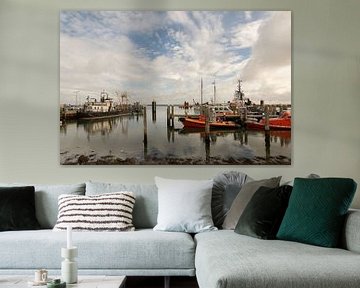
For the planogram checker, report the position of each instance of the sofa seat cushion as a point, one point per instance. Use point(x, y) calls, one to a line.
point(226, 259)
point(142, 249)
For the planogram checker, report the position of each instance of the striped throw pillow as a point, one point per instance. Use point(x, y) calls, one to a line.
point(105, 212)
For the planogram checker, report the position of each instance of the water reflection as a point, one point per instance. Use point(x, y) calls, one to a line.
point(135, 140)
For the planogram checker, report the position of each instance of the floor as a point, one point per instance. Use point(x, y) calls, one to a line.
point(158, 282)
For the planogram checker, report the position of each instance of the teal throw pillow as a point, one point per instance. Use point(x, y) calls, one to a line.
point(316, 211)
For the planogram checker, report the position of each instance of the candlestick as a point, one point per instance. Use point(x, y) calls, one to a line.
point(69, 269)
point(69, 237)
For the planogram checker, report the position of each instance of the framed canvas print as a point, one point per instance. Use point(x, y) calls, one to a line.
point(175, 88)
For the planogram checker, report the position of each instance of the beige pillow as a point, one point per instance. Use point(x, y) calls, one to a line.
point(243, 198)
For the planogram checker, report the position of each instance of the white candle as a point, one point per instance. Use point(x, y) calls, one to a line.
point(69, 240)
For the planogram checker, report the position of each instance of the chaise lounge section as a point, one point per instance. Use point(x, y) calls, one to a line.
point(225, 259)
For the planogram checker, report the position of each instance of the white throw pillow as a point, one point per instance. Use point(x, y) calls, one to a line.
point(184, 205)
point(105, 212)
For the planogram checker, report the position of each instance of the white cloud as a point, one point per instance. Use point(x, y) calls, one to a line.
point(267, 74)
point(105, 57)
point(246, 35)
point(92, 66)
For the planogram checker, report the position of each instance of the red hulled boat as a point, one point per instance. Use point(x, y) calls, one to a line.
point(200, 123)
point(283, 122)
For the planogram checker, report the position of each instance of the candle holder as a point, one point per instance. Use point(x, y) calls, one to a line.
point(68, 265)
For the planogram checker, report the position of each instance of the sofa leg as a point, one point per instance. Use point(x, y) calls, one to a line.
point(167, 282)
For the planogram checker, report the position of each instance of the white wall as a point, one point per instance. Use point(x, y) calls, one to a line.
point(326, 86)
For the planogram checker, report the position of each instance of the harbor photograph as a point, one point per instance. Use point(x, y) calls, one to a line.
point(175, 88)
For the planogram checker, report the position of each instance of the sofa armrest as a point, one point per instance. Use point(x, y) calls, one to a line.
point(351, 234)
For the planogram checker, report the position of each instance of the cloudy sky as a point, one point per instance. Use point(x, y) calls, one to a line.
point(163, 55)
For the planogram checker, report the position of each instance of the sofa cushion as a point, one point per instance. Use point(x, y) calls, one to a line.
point(146, 205)
point(105, 212)
point(17, 208)
point(263, 215)
point(225, 259)
point(137, 250)
point(184, 205)
point(243, 198)
point(225, 189)
point(316, 211)
point(46, 200)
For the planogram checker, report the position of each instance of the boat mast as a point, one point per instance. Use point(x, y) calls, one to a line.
point(214, 92)
point(201, 93)
point(76, 95)
point(239, 95)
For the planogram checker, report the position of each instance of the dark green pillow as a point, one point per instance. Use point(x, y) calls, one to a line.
point(17, 208)
point(264, 212)
point(316, 211)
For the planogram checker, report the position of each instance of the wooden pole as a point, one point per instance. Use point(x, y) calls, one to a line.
point(207, 134)
point(267, 145)
point(172, 116)
point(207, 150)
point(267, 126)
point(168, 115)
point(153, 110)
point(207, 122)
point(168, 130)
point(145, 127)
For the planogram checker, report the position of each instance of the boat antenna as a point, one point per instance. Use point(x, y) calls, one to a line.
point(201, 87)
point(76, 95)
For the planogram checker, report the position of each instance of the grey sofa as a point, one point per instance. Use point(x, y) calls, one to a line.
point(218, 259)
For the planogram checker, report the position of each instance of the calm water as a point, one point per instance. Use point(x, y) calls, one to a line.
point(120, 141)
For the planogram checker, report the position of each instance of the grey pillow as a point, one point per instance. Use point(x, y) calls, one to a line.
point(184, 205)
point(226, 187)
point(46, 200)
point(242, 199)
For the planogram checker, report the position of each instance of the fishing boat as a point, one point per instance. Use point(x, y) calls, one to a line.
point(283, 122)
point(199, 123)
point(105, 108)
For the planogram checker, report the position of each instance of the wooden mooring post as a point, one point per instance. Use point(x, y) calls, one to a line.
point(267, 133)
point(145, 127)
point(153, 110)
point(168, 115)
point(267, 126)
point(267, 145)
point(207, 134)
point(207, 122)
point(172, 116)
